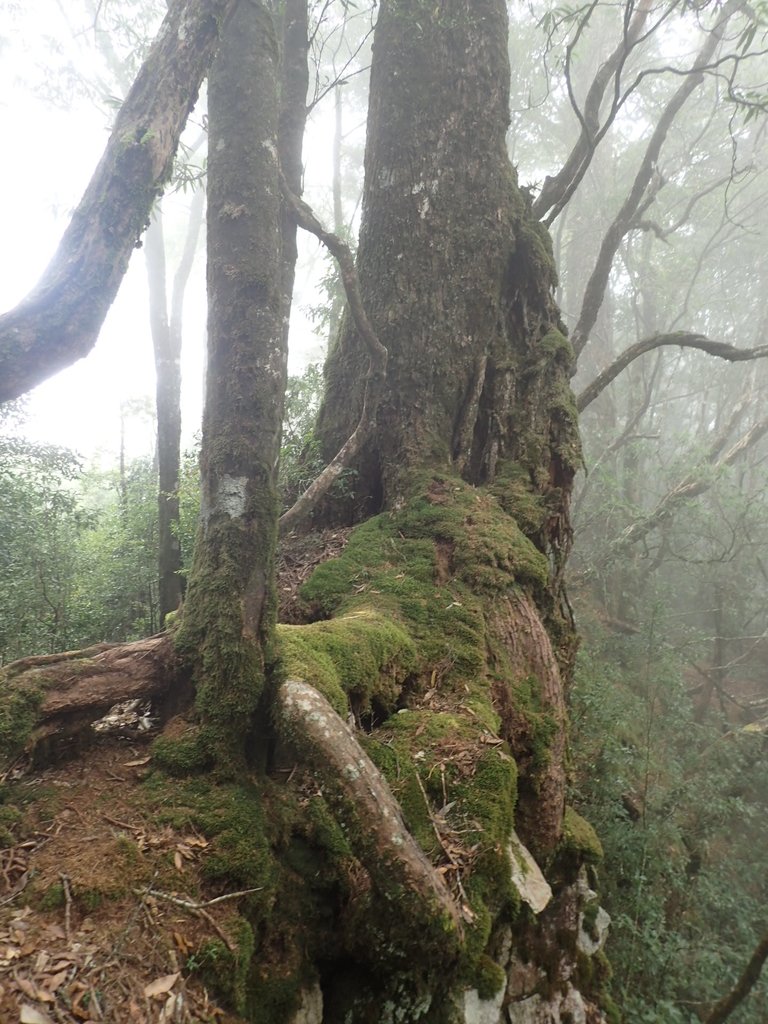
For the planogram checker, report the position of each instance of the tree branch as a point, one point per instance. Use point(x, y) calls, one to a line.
point(691, 487)
point(683, 339)
point(622, 223)
point(59, 321)
point(558, 189)
point(377, 366)
point(725, 1007)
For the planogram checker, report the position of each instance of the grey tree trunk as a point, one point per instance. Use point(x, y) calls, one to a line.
point(167, 351)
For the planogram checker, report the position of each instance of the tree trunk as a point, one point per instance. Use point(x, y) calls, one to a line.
point(167, 349)
point(457, 277)
point(228, 622)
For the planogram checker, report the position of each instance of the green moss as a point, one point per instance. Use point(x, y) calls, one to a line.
point(556, 345)
point(579, 840)
point(409, 598)
point(240, 820)
point(19, 708)
point(53, 898)
point(230, 667)
point(273, 996)
point(427, 569)
point(10, 816)
point(489, 797)
point(325, 831)
point(89, 899)
point(361, 655)
point(489, 977)
point(223, 970)
point(128, 850)
point(519, 499)
point(182, 755)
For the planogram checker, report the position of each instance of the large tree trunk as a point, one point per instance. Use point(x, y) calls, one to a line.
point(457, 278)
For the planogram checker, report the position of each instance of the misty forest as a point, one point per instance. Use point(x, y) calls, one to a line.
point(399, 652)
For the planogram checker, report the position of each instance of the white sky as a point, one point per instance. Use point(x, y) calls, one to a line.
point(50, 154)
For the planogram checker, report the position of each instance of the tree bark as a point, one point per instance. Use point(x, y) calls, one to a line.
point(456, 276)
point(229, 614)
point(59, 321)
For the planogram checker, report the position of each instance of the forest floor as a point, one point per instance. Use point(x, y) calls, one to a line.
point(103, 909)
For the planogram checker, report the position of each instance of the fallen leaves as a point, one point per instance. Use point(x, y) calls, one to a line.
point(97, 954)
point(160, 986)
point(30, 1015)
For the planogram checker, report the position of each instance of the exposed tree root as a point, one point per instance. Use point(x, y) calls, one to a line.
point(309, 723)
point(78, 687)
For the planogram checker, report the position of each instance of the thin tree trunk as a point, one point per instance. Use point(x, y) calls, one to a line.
point(167, 352)
point(228, 622)
point(293, 118)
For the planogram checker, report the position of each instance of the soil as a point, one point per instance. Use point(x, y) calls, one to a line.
point(298, 556)
point(102, 909)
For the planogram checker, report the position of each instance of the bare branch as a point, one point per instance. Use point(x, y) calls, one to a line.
point(622, 223)
point(725, 1007)
point(377, 366)
point(558, 189)
point(683, 339)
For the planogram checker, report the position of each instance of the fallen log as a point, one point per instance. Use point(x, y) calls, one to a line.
point(56, 696)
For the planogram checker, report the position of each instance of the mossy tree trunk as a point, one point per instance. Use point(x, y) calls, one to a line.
point(229, 615)
point(457, 278)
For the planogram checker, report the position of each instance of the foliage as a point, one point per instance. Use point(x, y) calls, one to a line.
point(41, 525)
point(299, 454)
point(679, 809)
point(78, 558)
